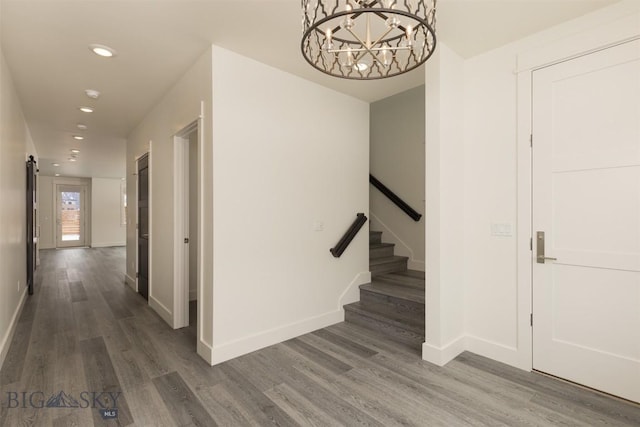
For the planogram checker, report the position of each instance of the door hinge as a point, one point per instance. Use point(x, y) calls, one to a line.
point(531, 140)
point(531, 319)
point(531, 244)
point(137, 275)
point(186, 240)
point(136, 226)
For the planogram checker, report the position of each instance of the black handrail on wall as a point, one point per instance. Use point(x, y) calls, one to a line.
point(340, 247)
point(395, 199)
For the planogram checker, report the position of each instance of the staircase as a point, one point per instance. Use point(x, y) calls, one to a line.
point(393, 303)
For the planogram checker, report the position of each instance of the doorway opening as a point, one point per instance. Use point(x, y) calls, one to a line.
point(71, 203)
point(187, 205)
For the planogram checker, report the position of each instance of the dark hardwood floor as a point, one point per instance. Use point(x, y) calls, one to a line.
point(85, 341)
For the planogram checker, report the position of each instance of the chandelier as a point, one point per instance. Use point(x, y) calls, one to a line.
point(368, 39)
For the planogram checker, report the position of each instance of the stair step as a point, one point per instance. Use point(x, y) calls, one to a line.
point(380, 250)
point(407, 311)
point(388, 265)
point(404, 278)
point(390, 324)
point(375, 237)
point(406, 293)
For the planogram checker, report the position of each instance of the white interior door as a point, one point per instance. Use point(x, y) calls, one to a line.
point(586, 199)
point(70, 215)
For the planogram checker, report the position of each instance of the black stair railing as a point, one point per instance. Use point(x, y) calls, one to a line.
point(340, 247)
point(395, 199)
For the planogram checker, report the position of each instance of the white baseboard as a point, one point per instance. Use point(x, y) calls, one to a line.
point(162, 311)
point(193, 294)
point(8, 336)
point(107, 245)
point(498, 352)
point(131, 282)
point(442, 355)
point(352, 293)
point(205, 351)
point(239, 347)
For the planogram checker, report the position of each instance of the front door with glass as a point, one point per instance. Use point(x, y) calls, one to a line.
point(70, 207)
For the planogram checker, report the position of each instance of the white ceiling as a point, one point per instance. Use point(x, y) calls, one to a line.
point(46, 43)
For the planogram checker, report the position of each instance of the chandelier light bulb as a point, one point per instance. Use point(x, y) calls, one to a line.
point(329, 43)
point(384, 54)
point(392, 22)
point(349, 57)
point(409, 32)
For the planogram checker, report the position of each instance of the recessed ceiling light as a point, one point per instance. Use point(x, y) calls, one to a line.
point(72, 159)
point(78, 137)
point(86, 109)
point(82, 126)
point(55, 164)
point(57, 174)
point(92, 93)
point(102, 50)
point(74, 150)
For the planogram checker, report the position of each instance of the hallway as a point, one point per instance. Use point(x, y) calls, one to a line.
point(86, 334)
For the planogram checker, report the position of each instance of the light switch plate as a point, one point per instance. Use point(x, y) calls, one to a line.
point(501, 229)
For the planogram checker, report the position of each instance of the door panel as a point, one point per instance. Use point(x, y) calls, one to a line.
point(31, 223)
point(586, 198)
point(70, 212)
point(143, 226)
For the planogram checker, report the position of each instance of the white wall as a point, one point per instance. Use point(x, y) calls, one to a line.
point(444, 174)
point(491, 189)
point(397, 132)
point(494, 164)
point(46, 211)
point(287, 153)
point(183, 104)
point(15, 146)
point(106, 227)
point(47, 208)
point(193, 216)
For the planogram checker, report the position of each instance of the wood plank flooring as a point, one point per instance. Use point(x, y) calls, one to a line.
point(86, 334)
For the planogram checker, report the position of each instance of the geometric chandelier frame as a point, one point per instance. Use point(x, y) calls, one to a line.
point(368, 39)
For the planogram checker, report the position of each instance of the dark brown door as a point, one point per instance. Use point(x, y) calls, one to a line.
point(143, 226)
point(31, 238)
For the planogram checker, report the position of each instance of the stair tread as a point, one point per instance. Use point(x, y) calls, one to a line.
point(408, 293)
point(410, 323)
point(387, 260)
point(414, 273)
point(380, 245)
point(403, 279)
